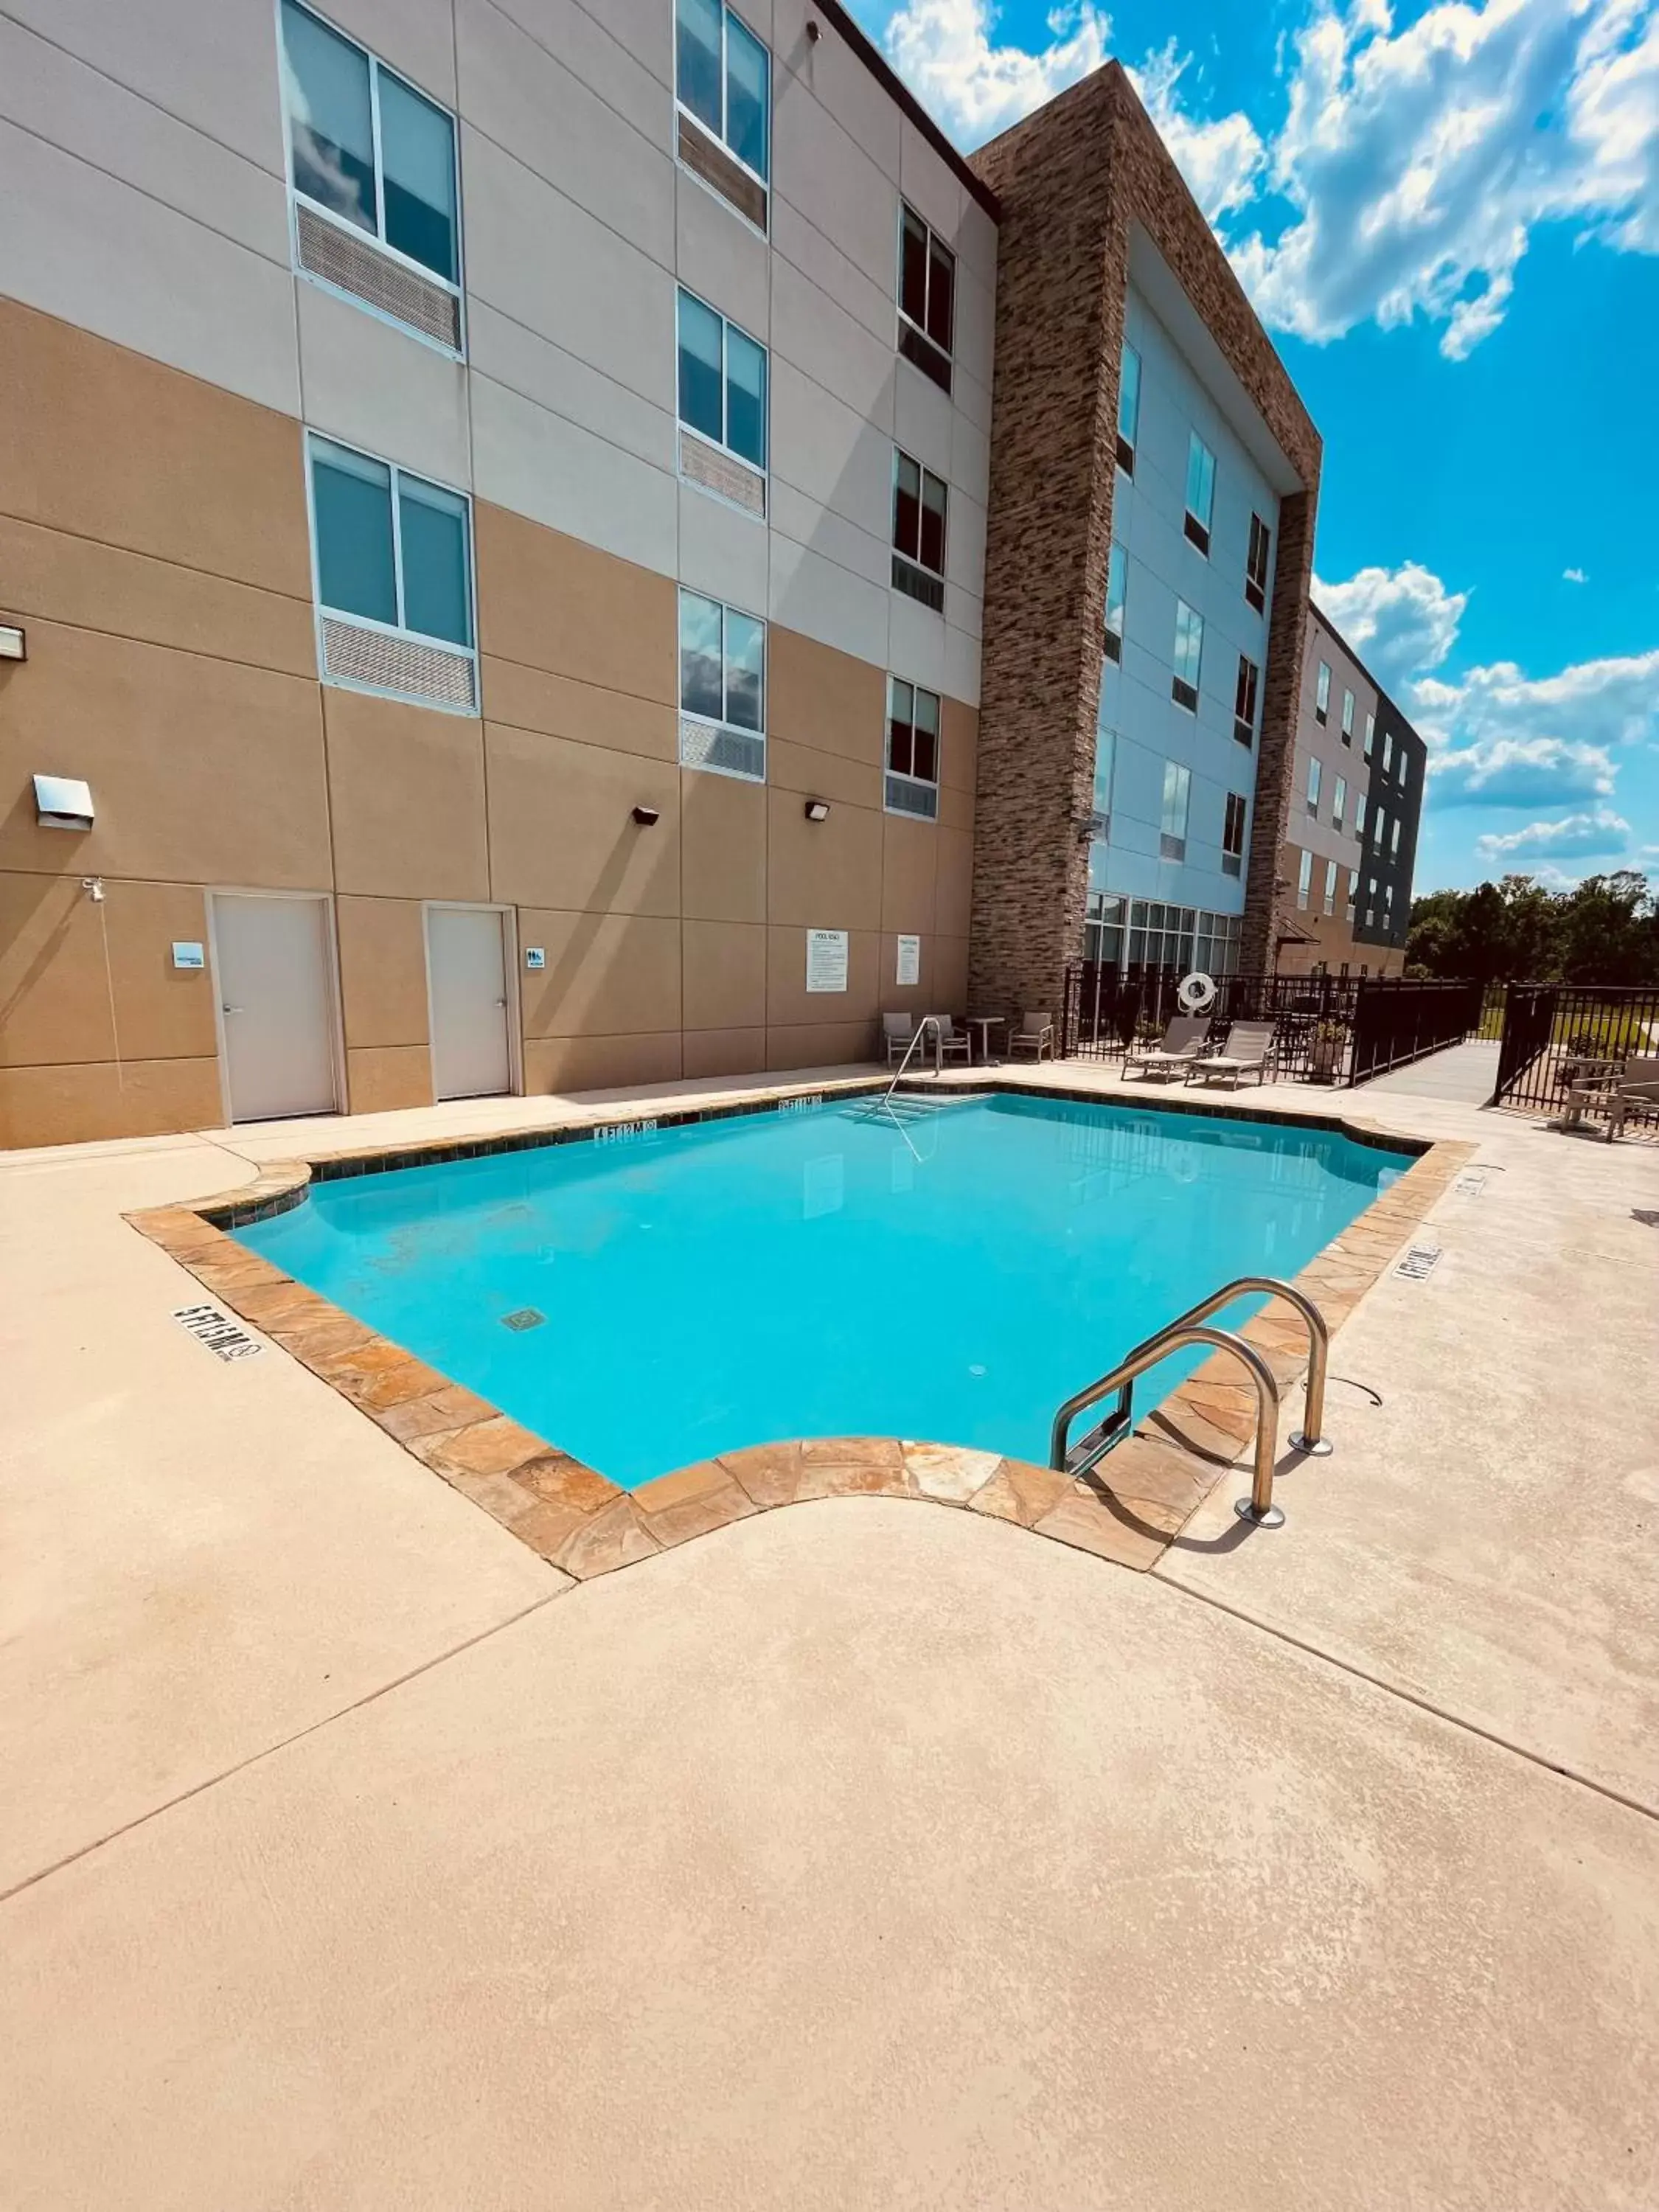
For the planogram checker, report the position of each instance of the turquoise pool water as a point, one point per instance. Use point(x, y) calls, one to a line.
point(819, 1271)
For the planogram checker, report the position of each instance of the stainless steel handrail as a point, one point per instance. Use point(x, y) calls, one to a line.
point(928, 1022)
point(1311, 1436)
point(1259, 1506)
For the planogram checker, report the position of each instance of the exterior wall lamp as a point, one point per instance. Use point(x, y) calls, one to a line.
point(817, 810)
point(646, 815)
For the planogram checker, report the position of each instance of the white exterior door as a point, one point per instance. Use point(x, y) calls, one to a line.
point(466, 965)
point(276, 1002)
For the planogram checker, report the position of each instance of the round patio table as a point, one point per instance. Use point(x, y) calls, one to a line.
point(985, 1023)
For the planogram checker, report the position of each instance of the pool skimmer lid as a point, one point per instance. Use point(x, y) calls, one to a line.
point(525, 1317)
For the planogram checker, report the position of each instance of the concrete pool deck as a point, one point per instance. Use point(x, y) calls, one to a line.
point(852, 1855)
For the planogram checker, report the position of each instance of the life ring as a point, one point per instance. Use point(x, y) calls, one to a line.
point(1196, 992)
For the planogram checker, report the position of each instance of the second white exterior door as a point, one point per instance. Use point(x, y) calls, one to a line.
point(466, 965)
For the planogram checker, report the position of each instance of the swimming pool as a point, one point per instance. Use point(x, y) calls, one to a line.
point(657, 1297)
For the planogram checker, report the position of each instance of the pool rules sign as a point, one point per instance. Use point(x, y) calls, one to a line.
point(826, 959)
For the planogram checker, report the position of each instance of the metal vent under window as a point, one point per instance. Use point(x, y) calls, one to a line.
point(1113, 645)
point(1183, 693)
point(1171, 848)
point(1255, 595)
point(1232, 864)
point(906, 796)
point(920, 351)
point(705, 464)
point(1126, 455)
point(358, 267)
point(1243, 731)
point(707, 159)
point(919, 583)
point(730, 752)
point(1199, 535)
point(355, 654)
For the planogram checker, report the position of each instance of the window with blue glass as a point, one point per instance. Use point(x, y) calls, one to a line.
point(1200, 491)
point(1128, 408)
point(723, 79)
point(391, 549)
point(367, 148)
point(722, 380)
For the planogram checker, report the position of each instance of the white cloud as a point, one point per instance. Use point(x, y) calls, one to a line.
point(1222, 161)
point(943, 51)
point(1574, 576)
point(1400, 622)
point(1601, 833)
point(1520, 772)
point(1419, 162)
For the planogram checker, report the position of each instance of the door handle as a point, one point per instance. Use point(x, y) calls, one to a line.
point(228, 1009)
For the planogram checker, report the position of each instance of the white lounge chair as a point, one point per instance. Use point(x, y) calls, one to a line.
point(1250, 1052)
point(1180, 1045)
point(1636, 1086)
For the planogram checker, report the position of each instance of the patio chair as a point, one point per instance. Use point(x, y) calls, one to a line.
point(1249, 1051)
point(953, 1043)
point(897, 1031)
point(1180, 1045)
point(1637, 1086)
point(1035, 1037)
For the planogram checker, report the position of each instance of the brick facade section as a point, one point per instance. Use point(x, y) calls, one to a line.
point(1071, 180)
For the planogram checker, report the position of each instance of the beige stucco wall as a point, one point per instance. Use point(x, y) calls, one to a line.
point(153, 544)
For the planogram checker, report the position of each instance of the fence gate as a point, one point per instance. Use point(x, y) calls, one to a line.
point(1554, 1033)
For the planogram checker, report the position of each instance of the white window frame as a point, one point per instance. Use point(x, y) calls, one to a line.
point(763, 471)
point(1322, 693)
point(1133, 440)
point(908, 322)
point(924, 472)
point(1236, 802)
point(1119, 552)
point(1303, 881)
point(709, 721)
point(1206, 523)
point(297, 199)
point(1394, 837)
point(1195, 681)
point(718, 138)
point(1330, 887)
point(1347, 715)
point(314, 438)
point(1250, 583)
point(1178, 774)
point(1339, 802)
point(904, 776)
point(1370, 736)
point(1316, 781)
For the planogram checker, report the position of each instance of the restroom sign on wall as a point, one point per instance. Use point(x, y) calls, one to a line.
point(826, 959)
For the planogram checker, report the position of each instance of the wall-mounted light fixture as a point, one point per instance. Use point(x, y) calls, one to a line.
point(63, 802)
point(814, 32)
point(817, 810)
point(13, 646)
point(645, 815)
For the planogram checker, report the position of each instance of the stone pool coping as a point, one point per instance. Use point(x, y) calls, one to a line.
point(1129, 1510)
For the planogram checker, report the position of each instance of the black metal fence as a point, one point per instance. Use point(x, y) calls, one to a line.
point(1330, 1028)
point(1555, 1034)
point(1396, 1022)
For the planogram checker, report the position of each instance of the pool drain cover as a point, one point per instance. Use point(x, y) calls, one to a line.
point(525, 1317)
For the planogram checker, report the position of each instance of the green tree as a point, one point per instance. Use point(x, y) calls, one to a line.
point(1604, 931)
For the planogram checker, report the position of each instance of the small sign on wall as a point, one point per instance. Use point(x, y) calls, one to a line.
point(826, 959)
point(909, 960)
point(189, 956)
point(535, 956)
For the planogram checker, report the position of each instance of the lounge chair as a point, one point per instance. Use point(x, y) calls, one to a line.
point(1035, 1037)
point(1636, 1086)
point(897, 1030)
point(1250, 1050)
point(1180, 1045)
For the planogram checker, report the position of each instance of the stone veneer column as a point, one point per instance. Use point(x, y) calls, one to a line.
point(1072, 178)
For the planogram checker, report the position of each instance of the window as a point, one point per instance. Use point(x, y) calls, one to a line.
point(1323, 694)
point(1304, 882)
point(1315, 772)
point(1370, 902)
point(723, 80)
point(1232, 834)
point(1330, 887)
point(1371, 734)
point(367, 153)
point(1353, 891)
point(1128, 408)
point(1387, 750)
point(1400, 764)
point(1134, 932)
point(1188, 655)
point(1379, 827)
point(1339, 802)
point(1255, 564)
point(1348, 716)
point(912, 726)
point(722, 688)
point(722, 377)
point(394, 578)
point(918, 531)
point(927, 294)
point(1177, 786)
point(1394, 837)
point(1116, 584)
point(1249, 677)
point(1200, 491)
point(1105, 759)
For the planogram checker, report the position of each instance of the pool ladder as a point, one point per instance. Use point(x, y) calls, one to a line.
point(1192, 1327)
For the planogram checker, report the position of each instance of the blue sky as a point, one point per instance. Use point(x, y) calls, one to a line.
point(1447, 217)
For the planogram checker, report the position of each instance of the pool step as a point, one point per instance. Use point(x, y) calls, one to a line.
point(904, 1107)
